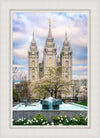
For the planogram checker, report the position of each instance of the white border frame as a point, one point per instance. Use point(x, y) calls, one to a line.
point(7, 132)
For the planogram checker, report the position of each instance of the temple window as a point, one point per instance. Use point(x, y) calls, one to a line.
point(33, 70)
point(66, 78)
point(67, 63)
point(33, 78)
point(50, 62)
point(33, 63)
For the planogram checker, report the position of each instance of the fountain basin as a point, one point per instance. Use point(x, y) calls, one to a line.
point(69, 109)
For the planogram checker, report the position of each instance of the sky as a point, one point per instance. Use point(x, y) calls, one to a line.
point(25, 23)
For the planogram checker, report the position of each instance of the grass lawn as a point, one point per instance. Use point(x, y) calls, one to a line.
point(82, 103)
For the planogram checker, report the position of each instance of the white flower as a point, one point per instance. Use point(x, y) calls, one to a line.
point(43, 123)
point(30, 121)
point(86, 118)
point(52, 123)
point(58, 117)
point(20, 119)
point(67, 120)
point(36, 120)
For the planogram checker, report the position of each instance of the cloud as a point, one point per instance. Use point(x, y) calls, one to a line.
point(38, 22)
point(79, 68)
point(79, 77)
point(76, 61)
point(17, 66)
point(79, 72)
point(22, 50)
point(20, 53)
point(75, 24)
point(17, 36)
point(80, 40)
point(73, 34)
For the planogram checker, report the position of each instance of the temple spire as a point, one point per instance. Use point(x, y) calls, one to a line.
point(65, 37)
point(33, 40)
point(49, 34)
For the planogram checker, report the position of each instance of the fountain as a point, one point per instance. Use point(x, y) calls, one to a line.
point(49, 108)
point(51, 103)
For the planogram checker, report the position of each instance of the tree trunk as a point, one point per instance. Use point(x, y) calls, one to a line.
point(51, 94)
point(55, 95)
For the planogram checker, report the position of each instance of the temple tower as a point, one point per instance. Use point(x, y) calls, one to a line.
point(33, 61)
point(49, 52)
point(66, 60)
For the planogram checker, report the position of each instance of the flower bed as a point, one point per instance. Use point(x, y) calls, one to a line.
point(58, 120)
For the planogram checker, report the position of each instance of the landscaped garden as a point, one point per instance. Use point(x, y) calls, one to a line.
point(58, 120)
point(48, 91)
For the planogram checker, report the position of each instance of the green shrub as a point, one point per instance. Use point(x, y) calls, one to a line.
point(58, 120)
point(76, 120)
point(21, 121)
point(61, 119)
point(39, 120)
point(79, 120)
point(36, 120)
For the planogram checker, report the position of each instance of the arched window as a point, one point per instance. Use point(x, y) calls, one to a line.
point(33, 63)
point(66, 77)
point(33, 78)
point(50, 62)
point(67, 70)
point(33, 70)
point(67, 63)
